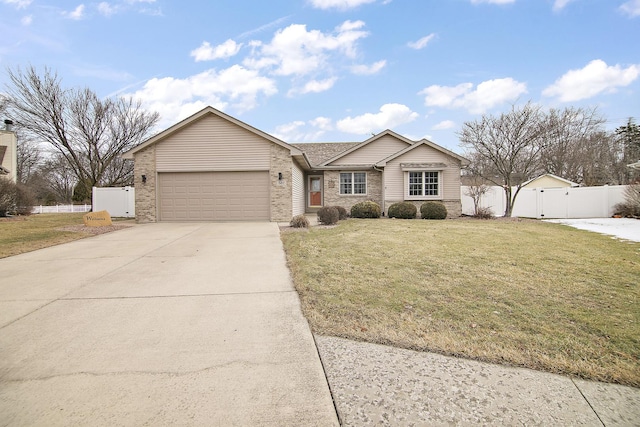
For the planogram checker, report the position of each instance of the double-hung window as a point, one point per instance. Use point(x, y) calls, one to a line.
point(353, 183)
point(424, 184)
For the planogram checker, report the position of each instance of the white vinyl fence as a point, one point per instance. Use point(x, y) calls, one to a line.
point(61, 209)
point(118, 201)
point(577, 202)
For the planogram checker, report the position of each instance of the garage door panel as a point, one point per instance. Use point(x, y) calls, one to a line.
point(213, 196)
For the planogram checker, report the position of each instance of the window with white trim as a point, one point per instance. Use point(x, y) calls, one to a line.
point(353, 183)
point(424, 184)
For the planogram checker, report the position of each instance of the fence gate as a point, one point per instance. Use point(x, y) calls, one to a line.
point(553, 202)
point(118, 201)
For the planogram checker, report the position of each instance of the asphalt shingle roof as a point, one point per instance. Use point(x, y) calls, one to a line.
point(319, 152)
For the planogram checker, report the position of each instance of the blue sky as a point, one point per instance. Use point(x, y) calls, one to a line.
point(337, 70)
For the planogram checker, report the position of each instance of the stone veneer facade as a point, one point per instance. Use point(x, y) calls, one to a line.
point(145, 164)
point(281, 190)
point(332, 196)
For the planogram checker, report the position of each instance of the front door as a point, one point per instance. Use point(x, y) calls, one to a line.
point(315, 191)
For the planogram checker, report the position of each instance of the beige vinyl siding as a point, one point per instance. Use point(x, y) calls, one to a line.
point(8, 144)
point(298, 192)
point(394, 176)
point(212, 144)
point(373, 152)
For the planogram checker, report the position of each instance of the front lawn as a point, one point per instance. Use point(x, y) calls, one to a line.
point(28, 233)
point(524, 293)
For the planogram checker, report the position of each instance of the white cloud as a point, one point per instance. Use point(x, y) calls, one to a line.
point(444, 96)
point(324, 123)
point(595, 78)
point(106, 9)
point(422, 43)
point(486, 95)
point(558, 5)
point(315, 86)
point(206, 52)
point(444, 125)
point(298, 131)
point(286, 130)
point(296, 51)
point(77, 14)
point(26, 20)
point(234, 86)
point(366, 70)
point(493, 1)
point(390, 116)
point(338, 4)
point(631, 8)
point(19, 4)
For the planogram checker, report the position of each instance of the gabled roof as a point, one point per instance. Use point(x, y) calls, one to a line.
point(295, 152)
point(383, 163)
point(368, 141)
point(318, 152)
point(566, 181)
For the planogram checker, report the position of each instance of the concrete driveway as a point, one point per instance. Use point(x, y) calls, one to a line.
point(159, 324)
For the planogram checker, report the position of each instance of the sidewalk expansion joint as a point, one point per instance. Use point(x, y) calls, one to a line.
point(587, 400)
point(326, 377)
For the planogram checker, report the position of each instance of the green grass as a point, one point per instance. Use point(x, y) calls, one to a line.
point(29, 233)
point(523, 293)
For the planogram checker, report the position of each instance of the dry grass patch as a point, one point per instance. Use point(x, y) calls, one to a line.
point(29, 233)
point(523, 293)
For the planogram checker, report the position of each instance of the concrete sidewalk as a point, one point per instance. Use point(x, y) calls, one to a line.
point(159, 324)
point(380, 385)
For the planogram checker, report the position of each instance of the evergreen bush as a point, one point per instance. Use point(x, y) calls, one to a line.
point(366, 209)
point(404, 210)
point(433, 210)
point(328, 215)
point(342, 212)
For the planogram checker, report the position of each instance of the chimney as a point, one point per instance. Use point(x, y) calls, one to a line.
point(8, 125)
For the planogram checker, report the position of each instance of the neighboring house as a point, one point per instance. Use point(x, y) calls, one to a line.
point(549, 181)
point(8, 152)
point(213, 167)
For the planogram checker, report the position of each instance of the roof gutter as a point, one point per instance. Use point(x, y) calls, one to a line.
point(345, 167)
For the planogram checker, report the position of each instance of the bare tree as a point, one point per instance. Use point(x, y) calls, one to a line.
point(58, 178)
point(602, 160)
point(507, 147)
point(476, 189)
point(30, 157)
point(89, 133)
point(569, 141)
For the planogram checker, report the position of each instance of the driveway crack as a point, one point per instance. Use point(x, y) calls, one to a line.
point(177, 374)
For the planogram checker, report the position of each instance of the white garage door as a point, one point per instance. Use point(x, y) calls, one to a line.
point(213, 196)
